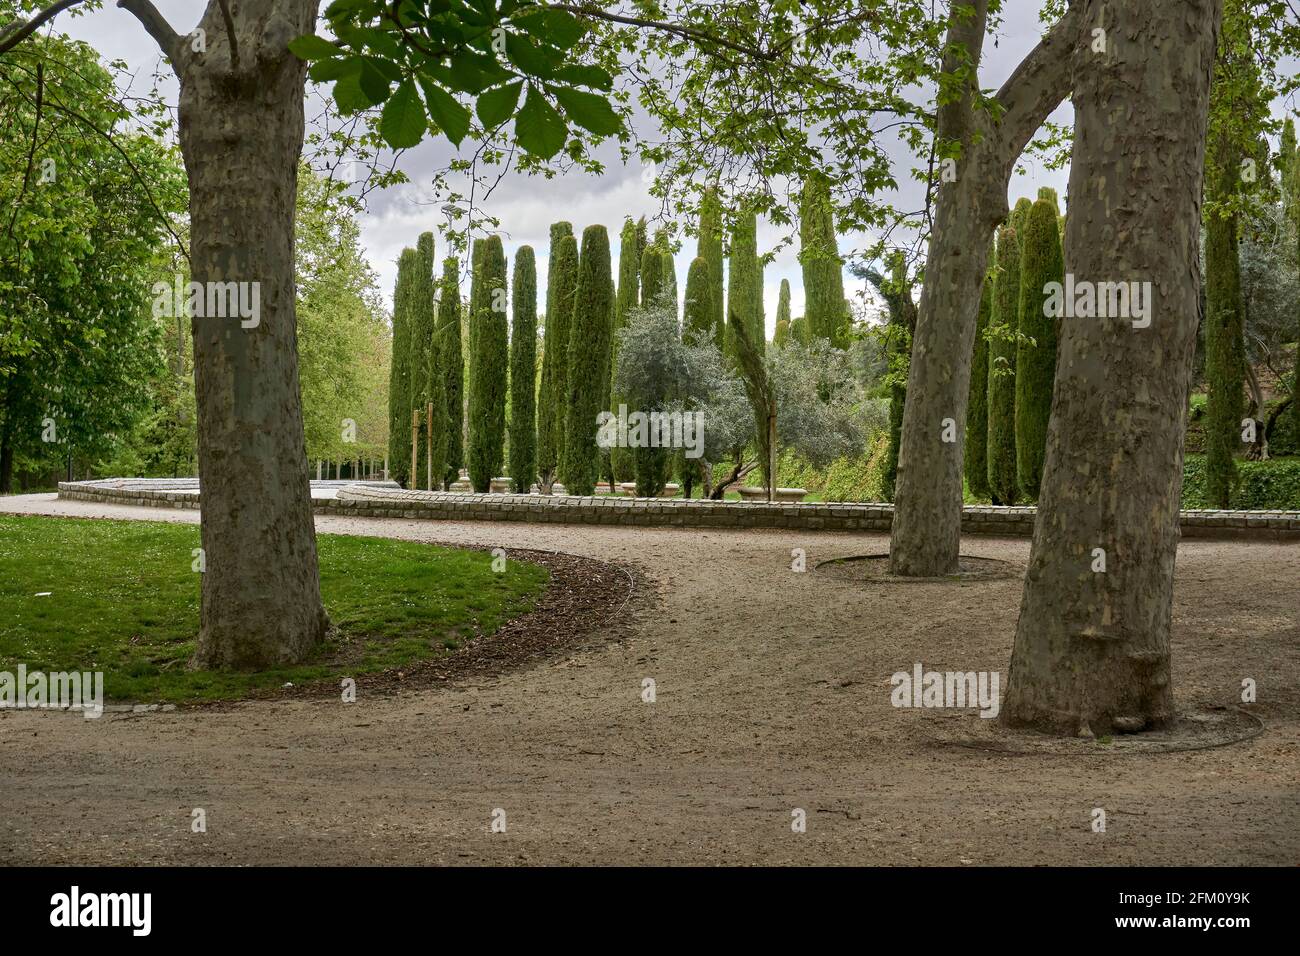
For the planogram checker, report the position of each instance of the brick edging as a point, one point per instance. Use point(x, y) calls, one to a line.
point(674, 512)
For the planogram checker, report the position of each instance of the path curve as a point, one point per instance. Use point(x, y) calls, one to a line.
point(772, 695)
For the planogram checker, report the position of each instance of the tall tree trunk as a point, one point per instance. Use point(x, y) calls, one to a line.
point(1092, 646)
point(6, 449)
point(6, 465)
point(241, 133)
point(926, 535)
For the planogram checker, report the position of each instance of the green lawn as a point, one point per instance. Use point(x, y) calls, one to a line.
point(123, 599)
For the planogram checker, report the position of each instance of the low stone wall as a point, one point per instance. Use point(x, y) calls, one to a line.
point(371, 501)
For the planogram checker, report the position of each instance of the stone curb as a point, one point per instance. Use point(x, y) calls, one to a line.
point(379, 502)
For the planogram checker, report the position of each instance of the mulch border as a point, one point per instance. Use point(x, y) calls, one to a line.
point(584, 595)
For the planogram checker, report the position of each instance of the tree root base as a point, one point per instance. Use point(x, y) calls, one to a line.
point(874, 569)
point(1195, 728)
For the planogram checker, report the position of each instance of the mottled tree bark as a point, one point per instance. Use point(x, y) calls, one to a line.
point(241, 133)
point(1092, 646)
point(926, 535)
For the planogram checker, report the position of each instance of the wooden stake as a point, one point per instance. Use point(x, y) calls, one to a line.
point(415, 446)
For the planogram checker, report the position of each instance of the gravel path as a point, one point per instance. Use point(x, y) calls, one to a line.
point(772, 695)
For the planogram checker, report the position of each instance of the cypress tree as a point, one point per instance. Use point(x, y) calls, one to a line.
point(489, 359)
point(1290, 160)
point(667, 268)
point(1041, 262)
point(745, 277)
point(452, 360)
point(1018, 216)
point(897, 293)
point(555, 357)
point(1237, 101)
point(629, 272)
point(606, 463)
point(709, 248)
point(437, 433)
point(422, 361)
point(1004, 322)
point(642, 239)
point(1224, 361)
point(558, 231)
point(629, 297)
point(588, 347)
point(799, 330)
point(823, 278)
point(698, 325)
point(782, 333)
point(668, 276)
point(523, 371)
point(977, 415)
point(652, 275)
point(399, 373)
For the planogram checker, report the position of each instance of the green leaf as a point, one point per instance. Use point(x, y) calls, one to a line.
point(343, 8)
point(403, 122)
point(374, 84)
point(390, 70)
point(496, 106)
point(452, 118)
point(539, 129)
point(557, 27)
point(311, 47)
point(530, 58)
point(578, 75)
point(325, 71)
point(349, 96)
point(383, 43)
point(470, 72)
point(588, 110)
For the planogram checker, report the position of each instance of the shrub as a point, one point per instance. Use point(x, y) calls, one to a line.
point(1260, 485)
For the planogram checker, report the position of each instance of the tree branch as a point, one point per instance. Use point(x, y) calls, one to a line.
point(18, 31)
point(155, 25)
point(230, 32)
point(135, 171)
point(31, 155)
point(1039, 84)
point(590, 12)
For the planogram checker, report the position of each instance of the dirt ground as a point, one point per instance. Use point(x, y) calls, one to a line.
point(772, 694)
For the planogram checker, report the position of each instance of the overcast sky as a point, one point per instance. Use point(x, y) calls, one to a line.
point(526, 205)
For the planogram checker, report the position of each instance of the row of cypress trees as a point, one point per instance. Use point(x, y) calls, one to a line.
point(426, 366)
point(1014, 362)
point(552, 423)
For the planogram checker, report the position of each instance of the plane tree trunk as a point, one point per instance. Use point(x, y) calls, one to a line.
point(241, 134)
point(1092, 646)
point(969, 205)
